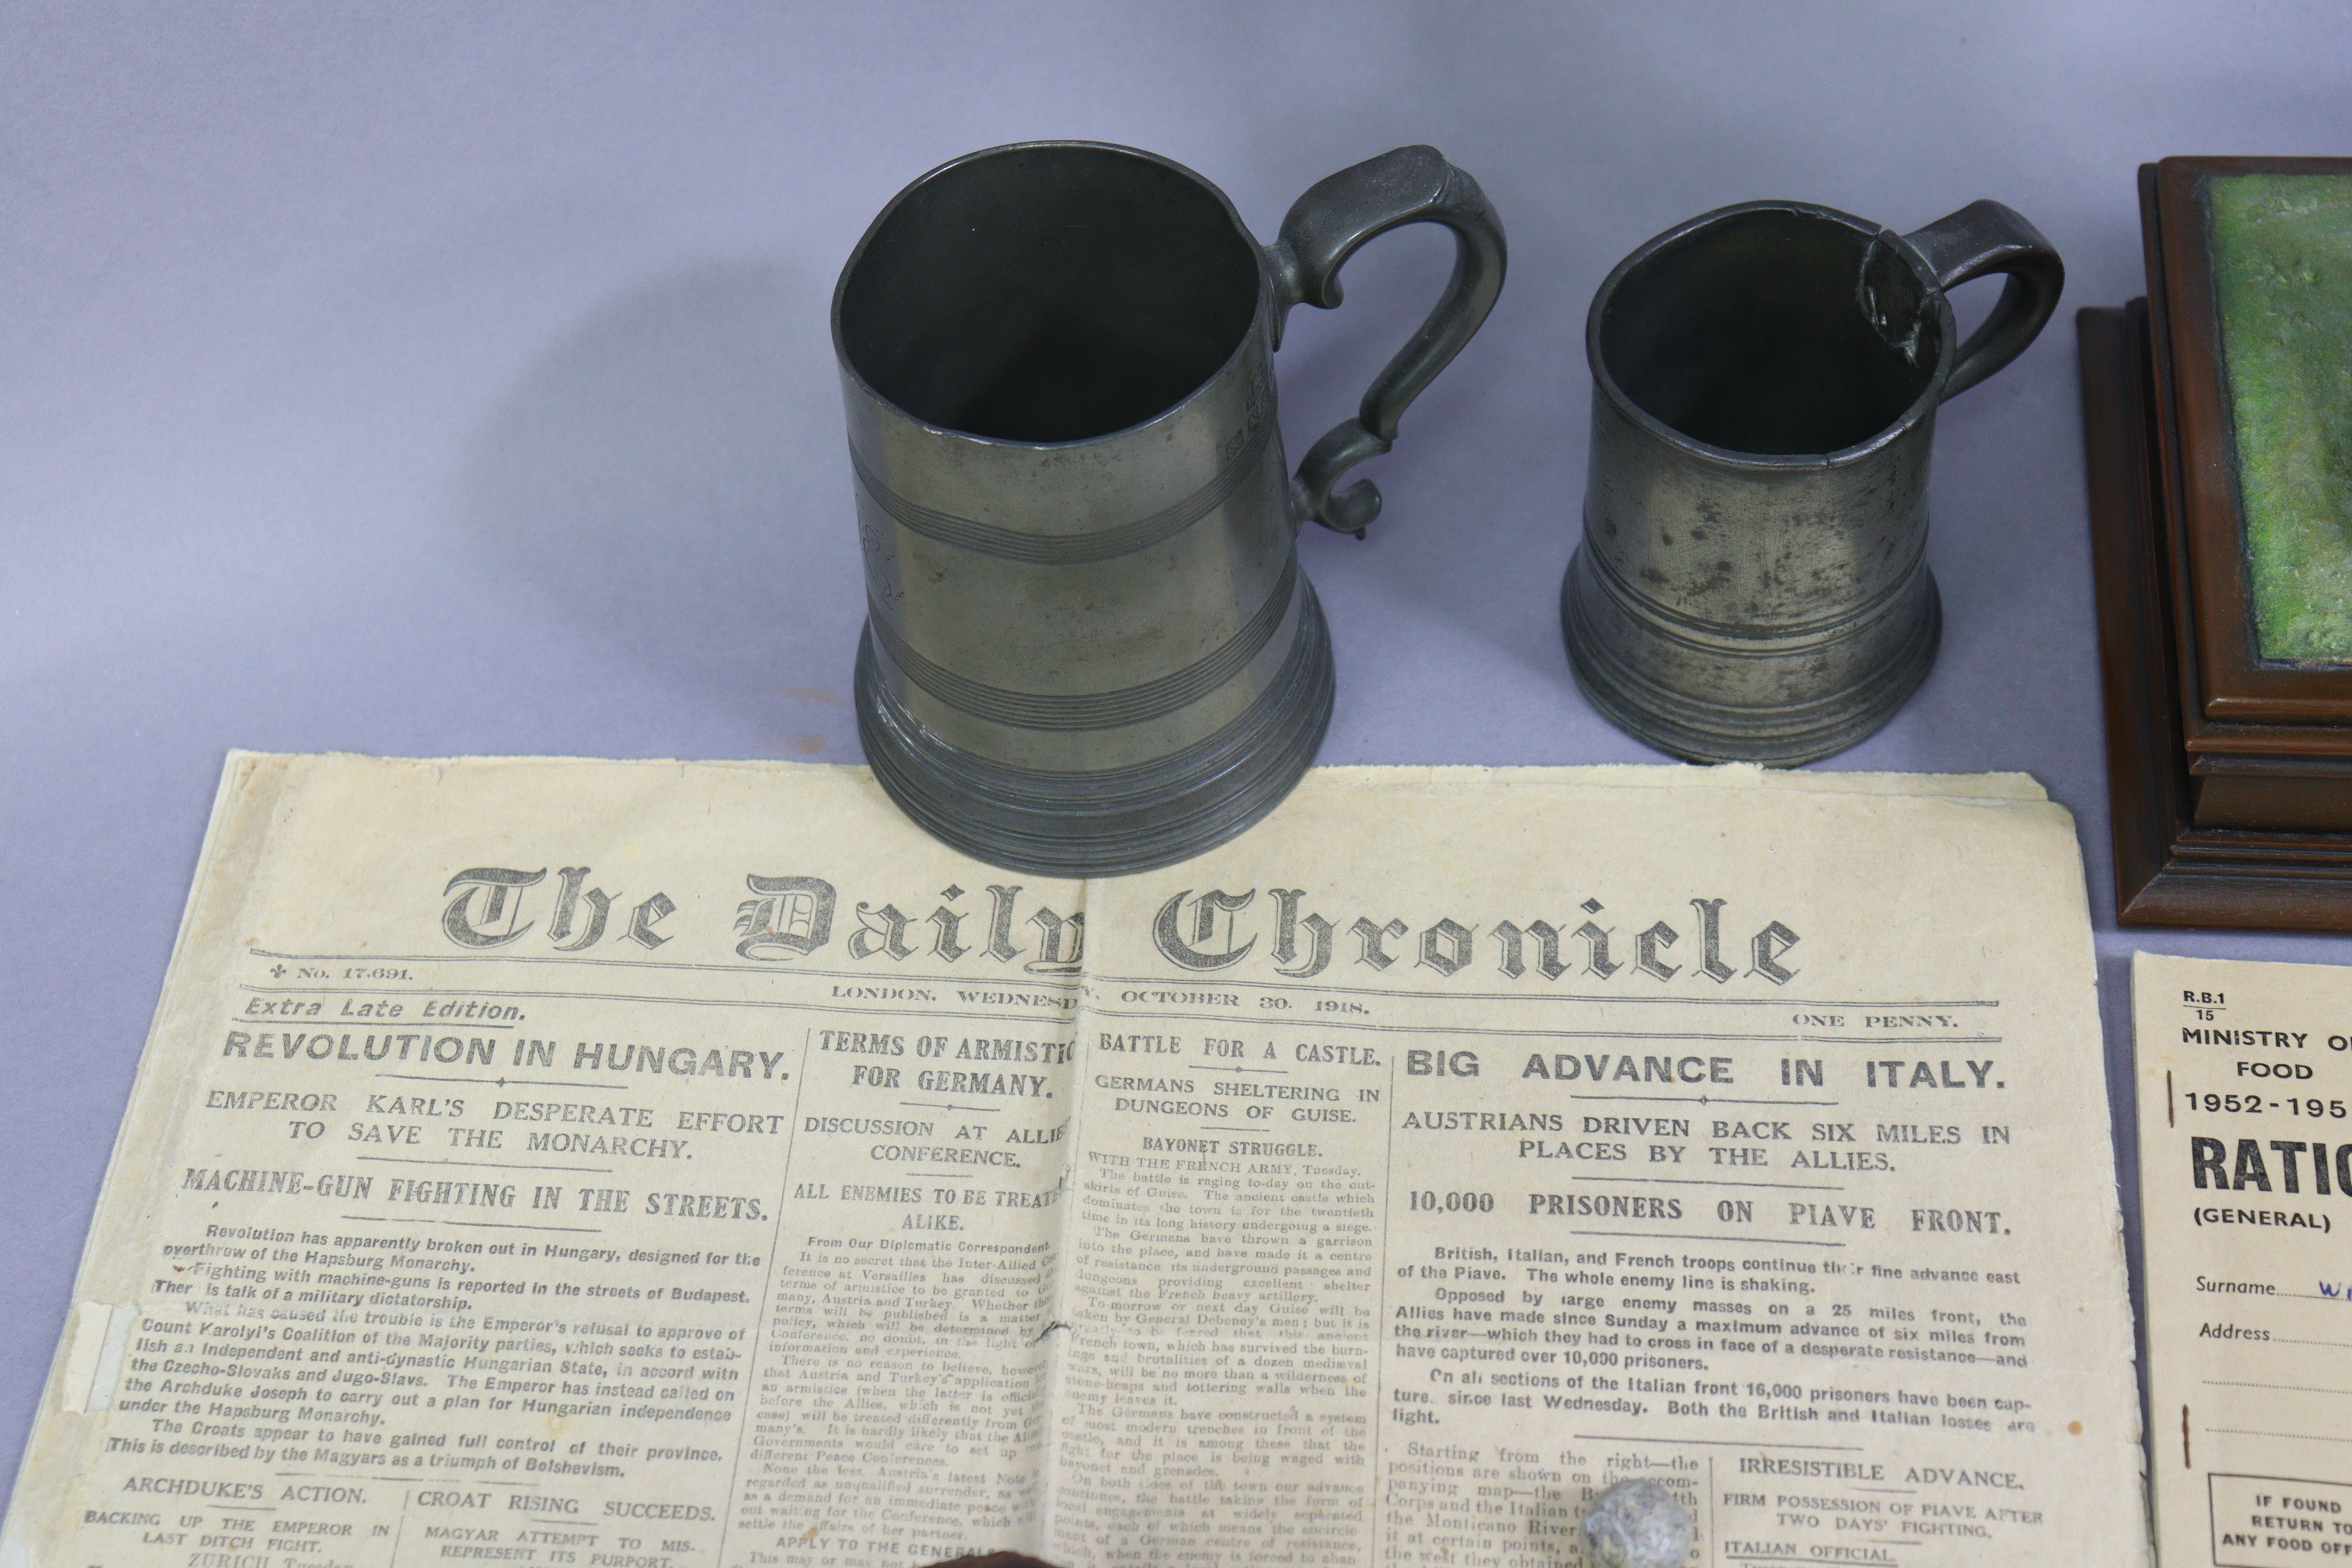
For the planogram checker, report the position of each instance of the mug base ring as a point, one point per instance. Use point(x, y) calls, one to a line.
point(1116, 822)
point(1787, 735)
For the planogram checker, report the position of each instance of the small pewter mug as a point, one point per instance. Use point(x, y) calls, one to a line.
point(1088, 647)
point(1753, 583)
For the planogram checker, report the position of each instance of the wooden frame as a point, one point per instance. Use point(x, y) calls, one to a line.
point(2170, 871)
point(2233, 685)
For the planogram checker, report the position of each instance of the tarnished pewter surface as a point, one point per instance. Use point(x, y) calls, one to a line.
point(1752, 584)
point(1152, 814)
point(1088, 647)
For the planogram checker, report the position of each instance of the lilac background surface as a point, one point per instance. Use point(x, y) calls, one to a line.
point(432, 378)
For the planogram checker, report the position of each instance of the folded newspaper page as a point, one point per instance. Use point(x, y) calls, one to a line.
point(2245, 1127)
point(642, 1163)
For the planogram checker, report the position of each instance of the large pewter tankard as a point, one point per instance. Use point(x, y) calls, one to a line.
point(1753, 581)
point(1088, 647)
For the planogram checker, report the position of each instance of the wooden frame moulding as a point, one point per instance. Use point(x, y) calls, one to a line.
point(2232, 685)
point(2168, 870)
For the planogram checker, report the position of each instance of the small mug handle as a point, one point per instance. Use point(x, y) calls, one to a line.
point(1324, 228)
point(1982, 237)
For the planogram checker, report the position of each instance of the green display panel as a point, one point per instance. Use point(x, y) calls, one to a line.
point(2282, 246)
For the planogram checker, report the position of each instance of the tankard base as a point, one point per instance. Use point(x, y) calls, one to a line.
point(1110, 823)
point(1779, 735)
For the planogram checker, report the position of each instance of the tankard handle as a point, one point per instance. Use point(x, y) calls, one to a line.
point(1324, 228)
point(1982, 237)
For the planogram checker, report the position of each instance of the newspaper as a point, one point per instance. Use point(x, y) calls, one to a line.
point(639, 1163)
point(2245, 1127)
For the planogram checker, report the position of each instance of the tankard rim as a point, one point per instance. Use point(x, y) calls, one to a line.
point(1257, 322)
point(1920, 409)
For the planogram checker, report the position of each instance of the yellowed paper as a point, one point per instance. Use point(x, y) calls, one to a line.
point(635, 1163)
point(2245, 1137)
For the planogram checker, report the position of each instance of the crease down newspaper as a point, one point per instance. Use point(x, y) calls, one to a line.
point(645, 1163)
